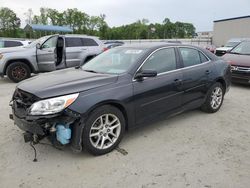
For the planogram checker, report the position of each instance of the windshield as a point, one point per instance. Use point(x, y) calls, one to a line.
point(115, 61)
point(231, 44)
point(40, 41)
point(242, 48)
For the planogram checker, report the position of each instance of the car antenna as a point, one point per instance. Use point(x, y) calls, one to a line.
point(32, 145)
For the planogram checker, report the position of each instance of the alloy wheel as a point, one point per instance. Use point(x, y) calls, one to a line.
point(216, 98)
point(105, 131)
point(19, 72)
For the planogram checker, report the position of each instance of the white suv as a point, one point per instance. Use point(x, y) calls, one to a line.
point(47, 54)
point(7, 43)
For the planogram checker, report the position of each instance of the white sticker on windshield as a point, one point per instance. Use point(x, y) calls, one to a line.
point(133, 51)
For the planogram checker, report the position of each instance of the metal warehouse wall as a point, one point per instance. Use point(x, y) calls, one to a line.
point(225, 30)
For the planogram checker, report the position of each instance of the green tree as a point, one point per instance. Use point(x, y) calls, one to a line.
point(9, 22)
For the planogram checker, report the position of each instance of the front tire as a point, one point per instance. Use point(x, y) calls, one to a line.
point(214, 100)
point(18, 71)
point(103, 130)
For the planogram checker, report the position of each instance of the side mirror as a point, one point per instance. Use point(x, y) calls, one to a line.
point(145, 74)
point(38, 46)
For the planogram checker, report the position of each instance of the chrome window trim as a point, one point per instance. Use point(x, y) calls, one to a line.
point(183, 68)
point(198, 51)
point(149, 57)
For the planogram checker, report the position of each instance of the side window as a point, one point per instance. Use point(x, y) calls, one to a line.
point(190, 56)
point(50, 43)
point(89, 42)
point(73, 42)
point(1, 44)
point(162, 61)
point(203, 58)
point(12, 43)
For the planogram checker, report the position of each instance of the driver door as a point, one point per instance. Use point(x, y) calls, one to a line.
point(46, 55)
point(160, 94)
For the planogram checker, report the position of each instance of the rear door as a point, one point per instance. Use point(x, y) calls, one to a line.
point(74, 51)
point(160, 94)
point(197, 70)
point(46, 55)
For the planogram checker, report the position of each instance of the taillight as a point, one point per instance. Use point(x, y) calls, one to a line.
point(104, 49)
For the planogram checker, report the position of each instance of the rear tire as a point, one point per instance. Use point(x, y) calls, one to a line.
point(18, 71)
point(214, 100)
point(103, 130)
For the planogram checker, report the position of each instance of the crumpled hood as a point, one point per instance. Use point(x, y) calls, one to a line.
point(12, 49)
point(235, 59)
point(65, 82)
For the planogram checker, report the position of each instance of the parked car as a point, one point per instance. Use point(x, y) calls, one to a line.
point(123, 88)
point(113, 44)
point(47, 54)
point(211, 48)
point(228, 46)
point(239, 59)
point(7, 43)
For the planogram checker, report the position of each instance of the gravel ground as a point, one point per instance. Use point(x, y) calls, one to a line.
point(193, 149)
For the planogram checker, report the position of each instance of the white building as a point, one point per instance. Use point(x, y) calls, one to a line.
point(226, 29)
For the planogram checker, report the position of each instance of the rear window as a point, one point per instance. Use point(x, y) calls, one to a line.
point(73, 42)
point(89, 42)
point(203, 58)
point(12, 43)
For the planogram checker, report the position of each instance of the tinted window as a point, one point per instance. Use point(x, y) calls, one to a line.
point(190, 56)
point(73, 42)
point(162, 61)
point(203, 58)
point(12, 43)
point(89, 42)
point(50, 43)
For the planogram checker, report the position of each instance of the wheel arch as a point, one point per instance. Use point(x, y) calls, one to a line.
point(114, 103)
point(27, 62)
point(222, 82)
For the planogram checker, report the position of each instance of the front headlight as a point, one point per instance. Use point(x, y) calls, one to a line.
point(1, 56)
point(53, 105)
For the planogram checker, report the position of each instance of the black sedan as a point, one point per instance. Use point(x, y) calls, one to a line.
point(123, 88)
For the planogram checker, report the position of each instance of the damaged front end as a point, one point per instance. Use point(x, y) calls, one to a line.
point(64, 127)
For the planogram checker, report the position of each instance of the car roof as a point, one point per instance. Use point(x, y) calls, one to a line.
point(83, 36)
point(153, 45)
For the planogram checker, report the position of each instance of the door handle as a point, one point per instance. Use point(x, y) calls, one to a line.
point(83, 48)
point(208, 72)
point(177, 82)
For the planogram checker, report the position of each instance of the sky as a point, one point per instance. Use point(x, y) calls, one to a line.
point(201, 13)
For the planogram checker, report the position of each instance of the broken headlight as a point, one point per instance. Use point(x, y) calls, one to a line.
point(53, 105)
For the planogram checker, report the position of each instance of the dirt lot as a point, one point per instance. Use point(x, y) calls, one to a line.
point(194, 149)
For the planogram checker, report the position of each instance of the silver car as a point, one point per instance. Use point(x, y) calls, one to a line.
point(8, 43)
point(47, 54)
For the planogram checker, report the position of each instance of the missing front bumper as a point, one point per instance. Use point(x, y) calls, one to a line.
point(44, 126)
